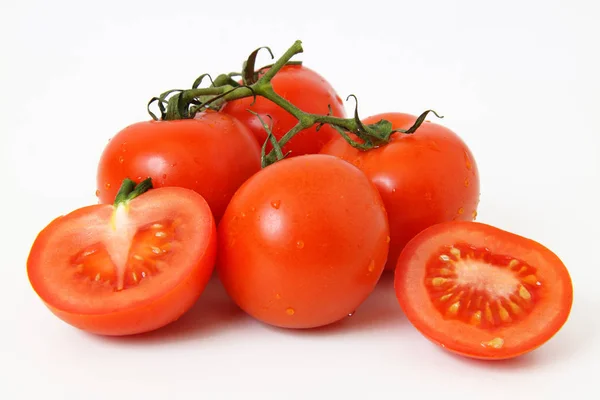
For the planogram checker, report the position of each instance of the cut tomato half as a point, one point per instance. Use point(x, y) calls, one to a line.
point(482, 292)
point(126, 269)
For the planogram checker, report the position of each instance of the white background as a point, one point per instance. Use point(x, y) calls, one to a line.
point(518, 81)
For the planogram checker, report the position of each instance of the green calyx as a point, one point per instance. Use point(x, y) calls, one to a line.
point(185, 104)
point(129, 190)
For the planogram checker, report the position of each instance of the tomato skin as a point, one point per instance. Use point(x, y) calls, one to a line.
point(424, 178)
point(305, 89)
point(552, 305)
point(303, 242)
point(150, 305)
point(212, 154)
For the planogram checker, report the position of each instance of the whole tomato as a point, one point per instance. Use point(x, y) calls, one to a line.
point(303, 242)
point(305, 89)
point(424, 178)
point(212, 154)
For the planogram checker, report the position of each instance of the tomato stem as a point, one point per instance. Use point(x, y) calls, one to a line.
point(187, 103)
point(129, 190)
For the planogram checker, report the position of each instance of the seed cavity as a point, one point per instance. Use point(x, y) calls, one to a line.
point(446, 297)
point(155, 250)
point(476, 318)
point(524, 293)
point(531, 280)
point(453, 309)
point(479, 287)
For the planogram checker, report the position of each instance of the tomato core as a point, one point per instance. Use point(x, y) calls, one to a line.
point(150, 254)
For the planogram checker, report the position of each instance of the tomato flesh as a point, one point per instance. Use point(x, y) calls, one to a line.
point(126, 270)
point(482, 292)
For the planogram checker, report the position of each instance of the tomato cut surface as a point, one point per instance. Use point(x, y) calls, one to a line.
point(126, 269)
point(481, 291)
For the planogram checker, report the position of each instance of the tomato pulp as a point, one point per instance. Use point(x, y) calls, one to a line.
point(127, 269)
point(482, 292)
point(424, 178)
point(303, 242)
point(212, 154)
point(305, 89)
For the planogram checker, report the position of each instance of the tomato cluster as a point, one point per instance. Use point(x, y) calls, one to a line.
point(302, 242)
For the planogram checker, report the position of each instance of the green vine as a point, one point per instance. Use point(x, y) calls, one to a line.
point(183, 104)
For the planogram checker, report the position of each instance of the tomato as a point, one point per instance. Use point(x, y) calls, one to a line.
point(211, 154)
point(424, 178)
point(127, 269)
point(482, 292)
point(305, 89)
point(303, 242)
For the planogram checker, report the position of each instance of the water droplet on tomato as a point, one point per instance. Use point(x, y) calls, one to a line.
point(474, 214)
point(164, 176)
point(139, 178)
point(107, 185)
point(300, 244)
point(467, 182)
point(387, 239)
point(394, 190)
point(467, 161)
point(339, 100)
point(461, 210)
point(290, 311)
point(253, 209)
point(243, 214)
point(352, 313)
point(121, 159)
point(276, 204)
point(174, 164)
point(97, 192)
point(372, 266)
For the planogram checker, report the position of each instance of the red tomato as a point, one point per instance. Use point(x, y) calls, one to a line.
point(424, 178)
point(212, 154)
point(303, 242)
point(305, 89)
point(127, 269)
point(482, 292)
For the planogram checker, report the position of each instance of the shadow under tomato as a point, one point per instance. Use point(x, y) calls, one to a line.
point(529, 360)
point(212, 314)
point(379, 311)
